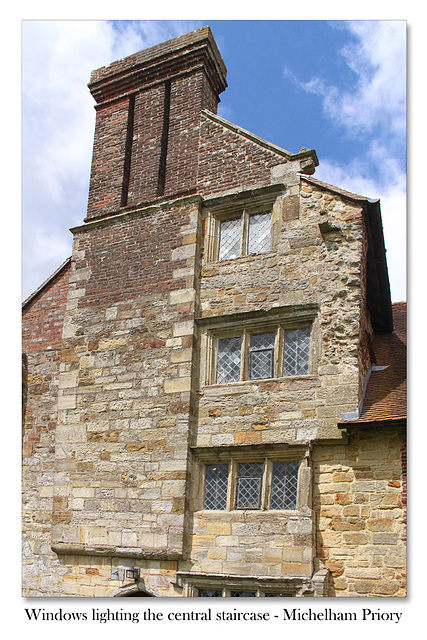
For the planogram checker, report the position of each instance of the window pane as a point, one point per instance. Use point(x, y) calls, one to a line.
point(249, 480)
point(242, 594)
point(278, 595)
point(216, 482)
point(296, 352)
point(259, 233)
point(209, 593)
point(284, 485)
point(261, 356)
point(229, 239)
point(228, 360)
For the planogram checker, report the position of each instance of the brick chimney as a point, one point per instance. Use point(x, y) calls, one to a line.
point(147, 121)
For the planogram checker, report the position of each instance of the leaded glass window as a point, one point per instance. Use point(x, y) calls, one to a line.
point(284, 485)
point(245, 235)
point(230, 239)
point(209, 593)
point(256, 356)
point(246, 481)
point(228, 359)
point(296, 351)
point(234, 593)
point(249, 481)
point(216, 483)
point(259, 233)
point(261, 356)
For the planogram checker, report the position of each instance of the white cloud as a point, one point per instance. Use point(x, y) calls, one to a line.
point(378, 61)
point(377, 98)
point(58, 122)
point(373, 109)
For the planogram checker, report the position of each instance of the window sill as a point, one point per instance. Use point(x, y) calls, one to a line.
point(242, 383)
point(240, 259)
point(258, 512)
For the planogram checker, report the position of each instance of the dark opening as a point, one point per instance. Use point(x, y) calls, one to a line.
point(139, 594)
point(128, 152)
point(164, 140)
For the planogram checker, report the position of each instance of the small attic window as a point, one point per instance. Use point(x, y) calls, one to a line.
point(247, 234)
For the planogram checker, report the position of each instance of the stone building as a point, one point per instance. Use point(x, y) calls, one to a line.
point(214, 382)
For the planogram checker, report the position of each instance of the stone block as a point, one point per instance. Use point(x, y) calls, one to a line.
point(177, 385)
point(218, 528)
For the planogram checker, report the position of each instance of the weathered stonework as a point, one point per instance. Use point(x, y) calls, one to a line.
point(122, 410)
point(360, 514)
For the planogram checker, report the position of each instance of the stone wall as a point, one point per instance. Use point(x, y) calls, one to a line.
point(132, 394)
point(42, 322)
point(308, 275)
point(361, 536)
point(125, 385)
point(40, 568)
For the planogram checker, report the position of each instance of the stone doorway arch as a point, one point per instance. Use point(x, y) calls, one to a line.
point(134, 591)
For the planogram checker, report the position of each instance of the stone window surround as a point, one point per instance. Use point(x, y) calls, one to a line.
point(252, 453)
point(243, 204)
point(293, 586)
point(244, 325)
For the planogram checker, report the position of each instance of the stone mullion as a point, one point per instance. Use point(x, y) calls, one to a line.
point(278, 352)
point(245, 234)
point(231, 489)
point(266, 484)
point(244, 364)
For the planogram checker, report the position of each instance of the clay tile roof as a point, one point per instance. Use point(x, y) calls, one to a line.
point(385, 397)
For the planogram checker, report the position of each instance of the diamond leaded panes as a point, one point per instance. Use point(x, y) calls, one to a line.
point(228, 359)
point(249, 480)
point(284, 485)
point(261, 356)
point(216, 482)
point(296, 351)
point(230, 239)
point(209, 593)
point(218, 593)
point(259, 233)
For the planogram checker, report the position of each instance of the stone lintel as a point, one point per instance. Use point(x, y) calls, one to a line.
point(256, 197)
point(230, 580)
point(293, 313)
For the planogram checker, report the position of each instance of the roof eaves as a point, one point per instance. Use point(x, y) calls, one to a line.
point(385, 322)
point(373, 424)
point(354, 197)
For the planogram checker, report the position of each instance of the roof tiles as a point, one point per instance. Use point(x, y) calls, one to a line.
point(385, 397)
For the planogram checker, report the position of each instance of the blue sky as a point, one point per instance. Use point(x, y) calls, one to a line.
point(335, 86)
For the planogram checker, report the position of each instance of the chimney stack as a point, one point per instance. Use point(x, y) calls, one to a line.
point(147, 122)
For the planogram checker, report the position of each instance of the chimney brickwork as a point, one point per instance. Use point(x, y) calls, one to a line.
point(148, 121)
